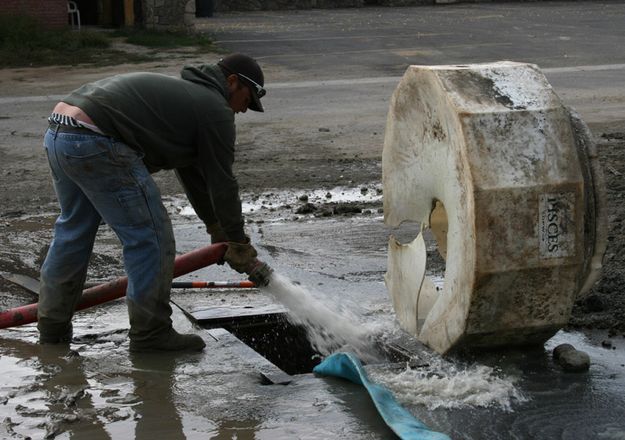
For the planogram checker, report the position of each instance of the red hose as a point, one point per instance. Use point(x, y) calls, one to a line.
point(102, 293)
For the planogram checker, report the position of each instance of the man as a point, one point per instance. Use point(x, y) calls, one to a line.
point(104, 141)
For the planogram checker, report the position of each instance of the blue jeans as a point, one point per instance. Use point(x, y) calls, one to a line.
point(97, 178)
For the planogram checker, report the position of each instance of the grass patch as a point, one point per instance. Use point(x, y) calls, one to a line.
point(24, 42)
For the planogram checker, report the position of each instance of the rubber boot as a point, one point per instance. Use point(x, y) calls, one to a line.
point(55, 334)
point(57, 302)
point(59, 294)
point(151, 327)
point(170, 340)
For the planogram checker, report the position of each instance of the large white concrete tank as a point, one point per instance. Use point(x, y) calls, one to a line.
point(508, 179)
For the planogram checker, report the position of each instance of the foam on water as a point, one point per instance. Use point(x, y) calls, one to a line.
point(330, 326)
point(443, 384)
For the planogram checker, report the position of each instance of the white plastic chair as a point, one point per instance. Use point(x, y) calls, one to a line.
point(72, 10)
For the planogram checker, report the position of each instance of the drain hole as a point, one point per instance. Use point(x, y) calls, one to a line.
point(282, 343)
point(286, 345)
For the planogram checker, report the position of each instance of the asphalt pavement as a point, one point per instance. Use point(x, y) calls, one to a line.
point(346, 61)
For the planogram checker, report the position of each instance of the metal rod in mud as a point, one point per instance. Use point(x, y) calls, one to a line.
point(213, 284)
point(245, 284)
point(115, 289)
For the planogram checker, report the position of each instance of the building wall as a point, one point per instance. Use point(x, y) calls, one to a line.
point(168, 14)
point(52, 13)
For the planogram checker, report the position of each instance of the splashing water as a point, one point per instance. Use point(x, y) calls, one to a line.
point(439, 384)
point(443, 384)
point(329, 327)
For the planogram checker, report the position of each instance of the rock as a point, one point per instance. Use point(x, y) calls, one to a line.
point(71, 418)
point(328, 195)
point(307, 208)
point(364, 190)
point(574, 361)
point(324, 130)
point(557, 352)
point(303, 198)
point(606, 343)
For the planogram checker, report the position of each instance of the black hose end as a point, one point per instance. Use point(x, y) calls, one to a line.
point(260, 274)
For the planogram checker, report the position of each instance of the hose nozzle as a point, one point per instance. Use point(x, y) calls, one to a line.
point(260, 273)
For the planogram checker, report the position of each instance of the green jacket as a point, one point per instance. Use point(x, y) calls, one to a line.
point(182, 123)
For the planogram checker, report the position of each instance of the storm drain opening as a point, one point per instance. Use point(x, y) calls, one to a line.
point(280, 348)
point(267, 332)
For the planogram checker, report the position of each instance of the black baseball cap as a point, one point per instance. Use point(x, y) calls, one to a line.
point(250, 73)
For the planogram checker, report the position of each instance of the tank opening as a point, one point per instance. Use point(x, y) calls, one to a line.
point(436, 255)
point(272, 336)
point(439, 227)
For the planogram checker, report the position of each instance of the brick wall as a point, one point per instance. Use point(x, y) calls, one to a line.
point(52, 13)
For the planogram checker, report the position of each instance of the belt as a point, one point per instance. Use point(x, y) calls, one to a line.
point(59, 128)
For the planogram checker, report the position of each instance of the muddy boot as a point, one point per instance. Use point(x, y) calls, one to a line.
point(170, 340)
point(151, 328)
point(54, 333)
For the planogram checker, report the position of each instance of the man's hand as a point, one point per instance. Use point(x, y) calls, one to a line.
point(217, 234)
point(240, 256)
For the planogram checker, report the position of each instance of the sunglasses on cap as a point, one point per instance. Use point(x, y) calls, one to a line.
point(260, 91)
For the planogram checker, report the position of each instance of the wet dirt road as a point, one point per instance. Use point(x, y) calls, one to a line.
point(330, 76)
